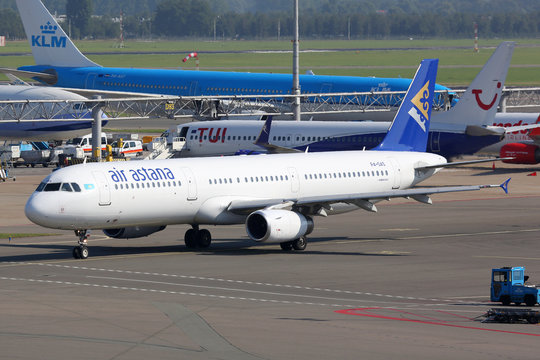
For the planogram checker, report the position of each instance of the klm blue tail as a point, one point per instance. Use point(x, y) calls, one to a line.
point(409, 130)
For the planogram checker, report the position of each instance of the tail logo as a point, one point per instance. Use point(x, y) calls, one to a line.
point(48, 37)
point(479, 101)
point(419, 112)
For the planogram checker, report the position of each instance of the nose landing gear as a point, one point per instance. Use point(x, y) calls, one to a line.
point(81, 251)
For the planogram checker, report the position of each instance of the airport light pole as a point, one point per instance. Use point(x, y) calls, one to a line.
point(296, 79)
point(96, 130)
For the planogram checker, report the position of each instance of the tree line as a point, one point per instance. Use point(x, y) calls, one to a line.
point(202, 19)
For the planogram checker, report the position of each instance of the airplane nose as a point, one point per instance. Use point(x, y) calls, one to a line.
point(36, 211)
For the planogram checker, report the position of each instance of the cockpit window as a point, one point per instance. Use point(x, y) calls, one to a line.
point(41, 186)
point(66, 187)
point(52, 187)
point(76, 187)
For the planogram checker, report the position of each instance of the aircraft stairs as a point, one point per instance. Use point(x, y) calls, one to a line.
point(160, 149)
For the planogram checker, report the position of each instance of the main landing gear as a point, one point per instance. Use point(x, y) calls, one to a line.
point(81, 251)
point(195, 238)
point(298, 244)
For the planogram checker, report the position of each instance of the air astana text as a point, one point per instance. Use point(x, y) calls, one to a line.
point(142, 174)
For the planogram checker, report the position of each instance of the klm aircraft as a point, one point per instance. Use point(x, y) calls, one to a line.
point(60, 63)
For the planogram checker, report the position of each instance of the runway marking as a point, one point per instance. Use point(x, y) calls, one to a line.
point(170, 292)
point(225, 288)
point(429, 307)
point(363, 312)
point(505, 257)
point(231, 281)
point(399, 229)
point(469, 234)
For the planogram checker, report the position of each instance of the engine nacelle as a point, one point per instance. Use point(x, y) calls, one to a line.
point(132, 232)
point(277, 226)
point(522, 153)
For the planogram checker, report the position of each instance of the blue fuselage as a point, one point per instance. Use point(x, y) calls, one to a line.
point(211, 83)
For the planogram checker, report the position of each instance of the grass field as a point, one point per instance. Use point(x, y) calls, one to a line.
point(357, 58)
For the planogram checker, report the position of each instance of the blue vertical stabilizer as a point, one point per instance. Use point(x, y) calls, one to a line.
point(409, 130)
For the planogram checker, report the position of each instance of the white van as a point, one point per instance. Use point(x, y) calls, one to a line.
point(127, 148)
point(85, 142)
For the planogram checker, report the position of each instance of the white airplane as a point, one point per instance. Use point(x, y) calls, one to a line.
point(463, 130)
point(274, 195)
point(64, 123)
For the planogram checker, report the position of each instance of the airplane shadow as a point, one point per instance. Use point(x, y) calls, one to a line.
point(220, 247)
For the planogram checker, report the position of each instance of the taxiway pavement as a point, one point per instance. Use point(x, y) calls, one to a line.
point(408, 282)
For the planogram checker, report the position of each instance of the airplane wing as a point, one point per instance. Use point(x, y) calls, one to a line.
point(107, 94)
point(50, 78)
point(317, 205)
point(460, 163)
point(29, 74)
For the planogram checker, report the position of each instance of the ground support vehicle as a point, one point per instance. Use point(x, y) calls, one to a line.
point(508, 286)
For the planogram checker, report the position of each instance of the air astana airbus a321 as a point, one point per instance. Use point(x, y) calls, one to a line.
point(276, 196)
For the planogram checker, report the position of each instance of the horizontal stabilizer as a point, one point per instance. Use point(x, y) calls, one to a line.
point(461, 163)
point(47, 78)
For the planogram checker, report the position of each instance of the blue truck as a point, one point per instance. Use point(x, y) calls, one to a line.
point(508, 286)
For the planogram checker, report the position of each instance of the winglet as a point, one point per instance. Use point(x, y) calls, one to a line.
point(409, 130)
point(504, 185)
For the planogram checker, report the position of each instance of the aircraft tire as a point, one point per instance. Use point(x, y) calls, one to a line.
point(83, 251)
point(300, 243)
point(76, 253)
point(190, 239)
point(204, 239)
point(287, 246)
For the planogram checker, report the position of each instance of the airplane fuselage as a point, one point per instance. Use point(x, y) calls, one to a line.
point(228, 137)
point(199, 191)
point(209, 83)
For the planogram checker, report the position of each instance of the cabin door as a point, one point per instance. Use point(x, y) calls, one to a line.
point(103, 188)
point(191, 184)
point(395, 173)
point(293, 178)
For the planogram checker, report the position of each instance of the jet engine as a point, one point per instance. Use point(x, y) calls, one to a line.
point(522, 153)
point(277, 226)
point(132, 232)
